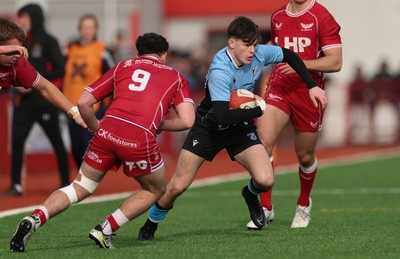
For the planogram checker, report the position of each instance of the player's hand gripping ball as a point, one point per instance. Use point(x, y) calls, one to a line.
point(242, 99)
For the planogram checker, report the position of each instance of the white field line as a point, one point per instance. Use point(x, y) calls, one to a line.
point(317, 192)
point(323, 163)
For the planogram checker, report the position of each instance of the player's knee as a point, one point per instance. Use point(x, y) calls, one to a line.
point(177, 189)
point(71, 193)
point(264, 184)
point(307, 159)
point(309, 167)
point(86, 183)
point(267, 184)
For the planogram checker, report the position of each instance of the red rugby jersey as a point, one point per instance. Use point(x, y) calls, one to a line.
point(144, 90)
point(21, 73)
point(307, 33)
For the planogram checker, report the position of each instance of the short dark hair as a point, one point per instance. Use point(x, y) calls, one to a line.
point(9, 31)
point(151, 43)
point(245, 29)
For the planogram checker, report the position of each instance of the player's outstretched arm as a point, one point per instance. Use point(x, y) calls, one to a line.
point(14, 49)
point(51, 93)
point(184, 119)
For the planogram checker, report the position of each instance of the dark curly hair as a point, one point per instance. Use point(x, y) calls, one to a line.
point(9, 31)
point(245, 29)
point(151, 43)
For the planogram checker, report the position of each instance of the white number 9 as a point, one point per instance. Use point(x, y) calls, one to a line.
point(140, 79)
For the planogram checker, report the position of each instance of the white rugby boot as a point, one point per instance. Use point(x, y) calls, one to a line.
point(302, 217)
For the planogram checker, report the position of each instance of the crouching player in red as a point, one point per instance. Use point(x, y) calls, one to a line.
point(15, 70)
point(144, 90)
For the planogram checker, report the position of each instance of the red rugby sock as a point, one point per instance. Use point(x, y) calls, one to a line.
point(113, 223)
point(266, 197)
point(306, 183)
point(42, 214)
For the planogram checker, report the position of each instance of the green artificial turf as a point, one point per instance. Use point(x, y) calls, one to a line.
point(356, 214)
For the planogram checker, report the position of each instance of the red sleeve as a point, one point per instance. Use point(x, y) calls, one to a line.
point(26, 74)
point(103, 86)
point(183, 94)
point(329, 32)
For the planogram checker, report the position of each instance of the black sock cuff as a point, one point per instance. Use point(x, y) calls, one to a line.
point(162, 208)
point(253, 190)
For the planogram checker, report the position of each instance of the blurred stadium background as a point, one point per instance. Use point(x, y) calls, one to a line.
point(361, 112)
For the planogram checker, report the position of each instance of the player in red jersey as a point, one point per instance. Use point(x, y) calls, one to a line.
point(144, 90)
point(15, 70)
point(307, 28)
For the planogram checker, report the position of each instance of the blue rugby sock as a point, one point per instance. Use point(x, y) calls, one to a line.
point(252, 189)
point(157, 213)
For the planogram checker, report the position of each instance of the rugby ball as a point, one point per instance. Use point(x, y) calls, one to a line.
point(242, 99)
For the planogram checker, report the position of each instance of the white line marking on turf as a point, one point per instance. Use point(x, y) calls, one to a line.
point(295, 192)
point(340, 210)
point(323, 163)
point(94, 199)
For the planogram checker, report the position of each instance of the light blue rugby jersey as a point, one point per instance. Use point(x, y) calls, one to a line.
point(224, 75)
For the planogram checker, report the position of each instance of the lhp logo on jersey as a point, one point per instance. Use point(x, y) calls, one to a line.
point(306, 27)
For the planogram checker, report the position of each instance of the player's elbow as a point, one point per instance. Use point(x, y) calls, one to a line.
point(86, 100)
point(82, 103)
point(186, 115)
point(334, 59)
point(188, 121)
point(337, 65)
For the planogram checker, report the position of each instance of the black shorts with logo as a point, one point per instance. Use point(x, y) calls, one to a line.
point(206, 139)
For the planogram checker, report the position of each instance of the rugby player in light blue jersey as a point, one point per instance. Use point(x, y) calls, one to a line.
point(237, 66)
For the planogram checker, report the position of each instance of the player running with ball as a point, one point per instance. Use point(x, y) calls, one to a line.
point(237, 66)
